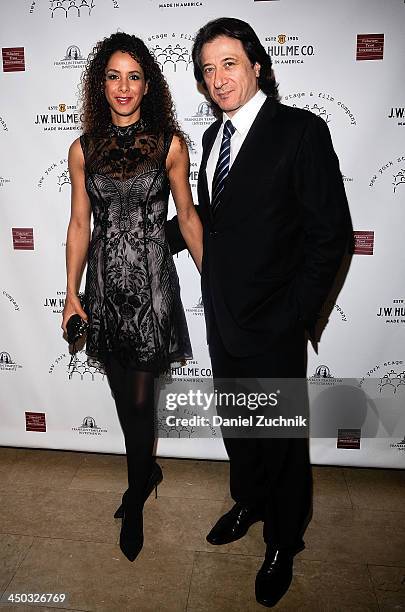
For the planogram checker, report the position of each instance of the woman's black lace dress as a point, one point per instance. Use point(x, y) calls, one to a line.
point(132, 289)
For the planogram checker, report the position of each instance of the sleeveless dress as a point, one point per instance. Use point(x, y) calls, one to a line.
point(132, 294)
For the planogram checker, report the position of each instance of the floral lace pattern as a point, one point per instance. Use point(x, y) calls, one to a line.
point(132, 289)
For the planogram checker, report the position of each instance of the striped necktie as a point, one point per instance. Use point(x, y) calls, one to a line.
point(222, 167)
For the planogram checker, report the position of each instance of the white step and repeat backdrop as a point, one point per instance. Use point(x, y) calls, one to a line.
point(341, 60)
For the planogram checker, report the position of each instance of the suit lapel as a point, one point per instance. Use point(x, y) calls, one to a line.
point(208, 144)
point(249, 151)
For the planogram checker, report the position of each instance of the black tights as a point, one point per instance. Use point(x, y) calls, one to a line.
point(133, 392)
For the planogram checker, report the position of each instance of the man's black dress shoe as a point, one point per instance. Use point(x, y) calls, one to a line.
point(274, 577)
point(234, 524)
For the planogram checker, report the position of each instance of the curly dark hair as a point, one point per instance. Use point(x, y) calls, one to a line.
point(236, 28)
point(157, 108)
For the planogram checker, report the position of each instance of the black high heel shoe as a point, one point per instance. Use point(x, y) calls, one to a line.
point(131, 535)
point(155, 479)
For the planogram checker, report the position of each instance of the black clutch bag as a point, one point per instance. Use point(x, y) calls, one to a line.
point(76, 327)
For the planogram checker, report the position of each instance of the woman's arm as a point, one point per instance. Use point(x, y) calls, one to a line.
point(178, 166)
point(78, 234)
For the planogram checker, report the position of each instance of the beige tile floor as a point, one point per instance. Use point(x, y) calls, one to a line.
point(57, 535)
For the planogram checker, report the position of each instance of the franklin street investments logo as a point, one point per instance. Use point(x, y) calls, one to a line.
point(198, 309)
point(324, 377)
point(7, 364)
point(73, 59)
point(322, 371)
point(89, 427)
point(203, 116)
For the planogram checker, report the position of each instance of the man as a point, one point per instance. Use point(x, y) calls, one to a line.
point(276, 225)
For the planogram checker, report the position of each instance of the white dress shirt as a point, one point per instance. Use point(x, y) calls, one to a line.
point(242, 122)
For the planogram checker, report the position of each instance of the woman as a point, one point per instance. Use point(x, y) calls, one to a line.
point(132, 153)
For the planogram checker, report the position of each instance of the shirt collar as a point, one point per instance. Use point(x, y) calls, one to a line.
point(244, 117)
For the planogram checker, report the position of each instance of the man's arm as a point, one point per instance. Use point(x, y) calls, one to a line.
point(326, 219)
point(174, 235)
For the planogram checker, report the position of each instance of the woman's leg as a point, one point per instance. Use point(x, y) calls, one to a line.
point(134, 397)
point(138, 419)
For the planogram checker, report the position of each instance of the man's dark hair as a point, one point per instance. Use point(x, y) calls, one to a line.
point(236, 28)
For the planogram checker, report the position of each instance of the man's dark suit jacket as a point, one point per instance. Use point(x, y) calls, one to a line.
point(273, 248)
point(274, 245)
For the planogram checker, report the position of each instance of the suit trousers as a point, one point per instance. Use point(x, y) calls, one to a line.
point(273, 474)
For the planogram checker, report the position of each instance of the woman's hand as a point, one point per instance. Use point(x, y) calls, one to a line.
point(72, 306)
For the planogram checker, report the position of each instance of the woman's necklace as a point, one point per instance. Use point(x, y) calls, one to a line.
point(126, 134)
